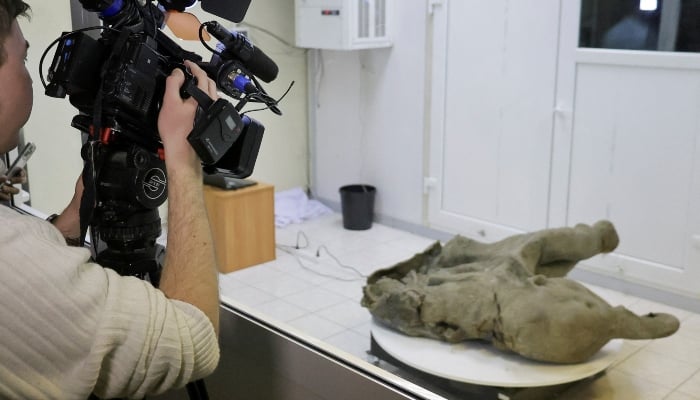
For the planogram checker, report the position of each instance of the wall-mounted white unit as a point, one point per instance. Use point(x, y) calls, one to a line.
point(343, 24)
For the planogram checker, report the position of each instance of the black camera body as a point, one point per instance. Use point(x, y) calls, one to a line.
point(118, 79)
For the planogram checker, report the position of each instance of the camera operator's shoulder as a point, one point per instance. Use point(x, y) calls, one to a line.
point(33, 248)
point(16, 226)
point(8, 215)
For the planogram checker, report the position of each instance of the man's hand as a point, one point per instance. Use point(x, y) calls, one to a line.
point(177, 115)
point(7, 189)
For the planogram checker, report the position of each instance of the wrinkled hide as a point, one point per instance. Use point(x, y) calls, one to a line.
point(512, 293)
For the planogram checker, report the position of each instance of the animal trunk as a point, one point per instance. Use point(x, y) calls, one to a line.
point(650, 326)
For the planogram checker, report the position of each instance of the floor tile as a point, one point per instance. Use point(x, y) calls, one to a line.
point(657, 368)
point(350, 289)
point(351, 342)
point(363, 261)
point(316, 326)
point(249, 295)
point(315, 299)
point(255, 274)
point(349, 243)
point(228, 283)
point(308, 268)
point(682, 346)
point(282, 285)
point(691, 325)
point(629, 347)
point(617, 386)
point(283, 262)
point(691, 386)
point(676, 395)
point(364, 329)
point(348, 314)
point(280, 310)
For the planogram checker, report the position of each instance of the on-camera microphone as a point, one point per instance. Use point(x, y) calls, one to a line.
point(238, 46)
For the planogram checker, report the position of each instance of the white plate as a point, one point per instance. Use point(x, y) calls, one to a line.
point(480, 363)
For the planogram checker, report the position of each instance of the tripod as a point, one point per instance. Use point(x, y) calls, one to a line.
point(124, 186)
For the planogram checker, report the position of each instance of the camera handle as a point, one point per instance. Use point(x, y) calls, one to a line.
point(190, 88)
point(216, 127)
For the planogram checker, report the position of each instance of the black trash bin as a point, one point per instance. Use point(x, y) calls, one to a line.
point(357, 204)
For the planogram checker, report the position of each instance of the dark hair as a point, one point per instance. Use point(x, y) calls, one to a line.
point(9, 10)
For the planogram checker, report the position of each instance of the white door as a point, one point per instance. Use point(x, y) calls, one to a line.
point(494, 81)
point(530, 131)
point(629, 129)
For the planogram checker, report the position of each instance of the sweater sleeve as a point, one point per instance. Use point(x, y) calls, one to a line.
point(71, 327)
point(146, 343)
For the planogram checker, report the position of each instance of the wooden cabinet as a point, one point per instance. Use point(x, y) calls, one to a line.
point(243, 225)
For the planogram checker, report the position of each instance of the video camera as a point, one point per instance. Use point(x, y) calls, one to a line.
point(117, 81)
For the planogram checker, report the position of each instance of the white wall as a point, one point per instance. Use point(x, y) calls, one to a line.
point(283, 158)
point(56, 164)
point(370, 117)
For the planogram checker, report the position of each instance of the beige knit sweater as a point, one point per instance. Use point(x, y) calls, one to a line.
point(69, 327)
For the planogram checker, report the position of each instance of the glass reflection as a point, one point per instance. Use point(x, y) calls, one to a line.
point(663, 25)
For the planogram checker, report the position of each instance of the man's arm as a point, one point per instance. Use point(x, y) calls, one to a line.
point(68, 222)
point(190, 272)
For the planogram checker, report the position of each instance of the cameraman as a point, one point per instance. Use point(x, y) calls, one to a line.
point(70, 327)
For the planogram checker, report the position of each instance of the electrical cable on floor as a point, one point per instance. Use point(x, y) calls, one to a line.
point(323, 246)
point(292, 250)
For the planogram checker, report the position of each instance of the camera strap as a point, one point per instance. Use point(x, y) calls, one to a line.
point(89, 198)
point(190, 88)
point(216, 127)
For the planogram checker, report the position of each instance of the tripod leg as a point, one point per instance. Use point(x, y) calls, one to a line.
point(197, 391)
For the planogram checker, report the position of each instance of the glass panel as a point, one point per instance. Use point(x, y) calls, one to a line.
point(380, 19)
point(363, 18)
point(665, 25)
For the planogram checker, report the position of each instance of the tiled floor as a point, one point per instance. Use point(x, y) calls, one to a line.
point(317, 290)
